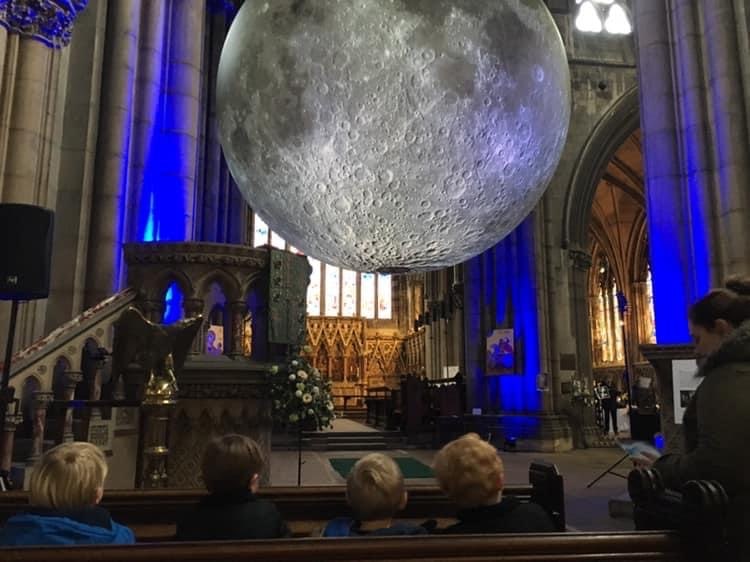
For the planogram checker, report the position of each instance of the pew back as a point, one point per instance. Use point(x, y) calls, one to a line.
point(295, 504)
point(538, 548)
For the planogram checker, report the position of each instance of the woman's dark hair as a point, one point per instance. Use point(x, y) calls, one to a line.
point(739, 285)
point(730, 303)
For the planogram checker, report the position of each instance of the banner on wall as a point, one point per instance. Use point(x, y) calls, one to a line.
point(501, 352)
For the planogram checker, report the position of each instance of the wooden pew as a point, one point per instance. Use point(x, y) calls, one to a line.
point(698, 512)
point(152, 514)
point(652, 546)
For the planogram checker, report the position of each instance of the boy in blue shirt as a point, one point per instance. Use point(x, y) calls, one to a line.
point(65, 490)
point(375, 491)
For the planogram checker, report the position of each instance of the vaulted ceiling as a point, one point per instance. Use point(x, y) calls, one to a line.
point(618, 216)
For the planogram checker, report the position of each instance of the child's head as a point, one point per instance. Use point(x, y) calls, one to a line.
point(69, 476)
point(375, 488)
point(231, 463)
point(469, 471)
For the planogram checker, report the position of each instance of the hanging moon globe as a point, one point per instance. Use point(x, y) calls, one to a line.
point(393, 135)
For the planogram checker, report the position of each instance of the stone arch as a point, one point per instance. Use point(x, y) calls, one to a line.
point(640, 257)
point(608, 135)
point(30, 385)
point(158, 286)
point(225, 280)
point(254, 282)
point(61, 367)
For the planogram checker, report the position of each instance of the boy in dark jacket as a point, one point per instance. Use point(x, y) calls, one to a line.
point(470, 472)
point(375, 491)
point(232, 511)
point(65, 489)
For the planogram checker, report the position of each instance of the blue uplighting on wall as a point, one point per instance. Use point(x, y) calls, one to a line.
point(515, 281)
point(173, 298)
point(679, 257)
point(700, 221)
point(162, 212)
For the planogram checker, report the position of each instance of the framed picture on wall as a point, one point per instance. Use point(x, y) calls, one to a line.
point(501, 352)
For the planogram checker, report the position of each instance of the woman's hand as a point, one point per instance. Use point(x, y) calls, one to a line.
point(644, 460)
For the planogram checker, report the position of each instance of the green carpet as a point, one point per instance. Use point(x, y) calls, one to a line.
point(411, 468)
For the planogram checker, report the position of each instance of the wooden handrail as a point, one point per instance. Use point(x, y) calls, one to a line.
point(538, 548)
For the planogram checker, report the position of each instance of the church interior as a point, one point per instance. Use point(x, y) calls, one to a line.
point(196, 240)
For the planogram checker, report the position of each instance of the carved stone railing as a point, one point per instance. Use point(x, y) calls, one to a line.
point(33, 373)
point(66, 342)
point(240, 271)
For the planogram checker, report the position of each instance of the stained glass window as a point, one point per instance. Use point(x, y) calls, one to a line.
point(607, 324)
point(367, 309)
point(384, 296)
point(596, 16)
point(332, 287)
point(277, 241)
point(313, 289)
point(650, 316)
point(260, 232)
point(348, 293)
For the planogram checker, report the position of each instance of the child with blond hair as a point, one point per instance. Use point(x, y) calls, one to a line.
point(65, 489)
point(470, 472)
point(375, 491)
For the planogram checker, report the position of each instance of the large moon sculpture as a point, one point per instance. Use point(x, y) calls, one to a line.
point(393, 135)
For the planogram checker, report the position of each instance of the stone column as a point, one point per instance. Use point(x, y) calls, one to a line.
point(12, 420)
point(146, 101)
point(41, 400)
point(95, 391)
point(105, 266)
point(194, 307)
point(429, 338)
point(28, 109)
point(727, 79)
point(237, 310)
point(694, 122)
point(183, 105)
point(457, 335)
point(24, 152)
point(583, 419)
point(72, 378)
point(80, 123)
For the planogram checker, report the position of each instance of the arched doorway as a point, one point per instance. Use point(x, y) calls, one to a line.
point(605, 233)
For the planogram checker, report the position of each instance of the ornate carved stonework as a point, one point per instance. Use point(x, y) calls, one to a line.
point(196, 422)
point(217, 397)
point(581, 260)
point(196, 253)
point(207, 391)
point(349, 352)
point(289, 276)
point(48, 21)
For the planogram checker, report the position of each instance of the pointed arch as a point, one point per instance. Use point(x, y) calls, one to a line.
point(608, 135)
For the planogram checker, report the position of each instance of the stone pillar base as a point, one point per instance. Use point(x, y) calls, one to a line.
point(594, 437)
point(545, 433)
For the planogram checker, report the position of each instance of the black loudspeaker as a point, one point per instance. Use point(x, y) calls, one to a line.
point(25, 251)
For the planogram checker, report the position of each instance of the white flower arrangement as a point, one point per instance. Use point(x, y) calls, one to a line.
point(300, 395)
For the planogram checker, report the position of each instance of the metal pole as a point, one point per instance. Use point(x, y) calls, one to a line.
point(299, 455)
point(9, 345)
point(6, 393)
